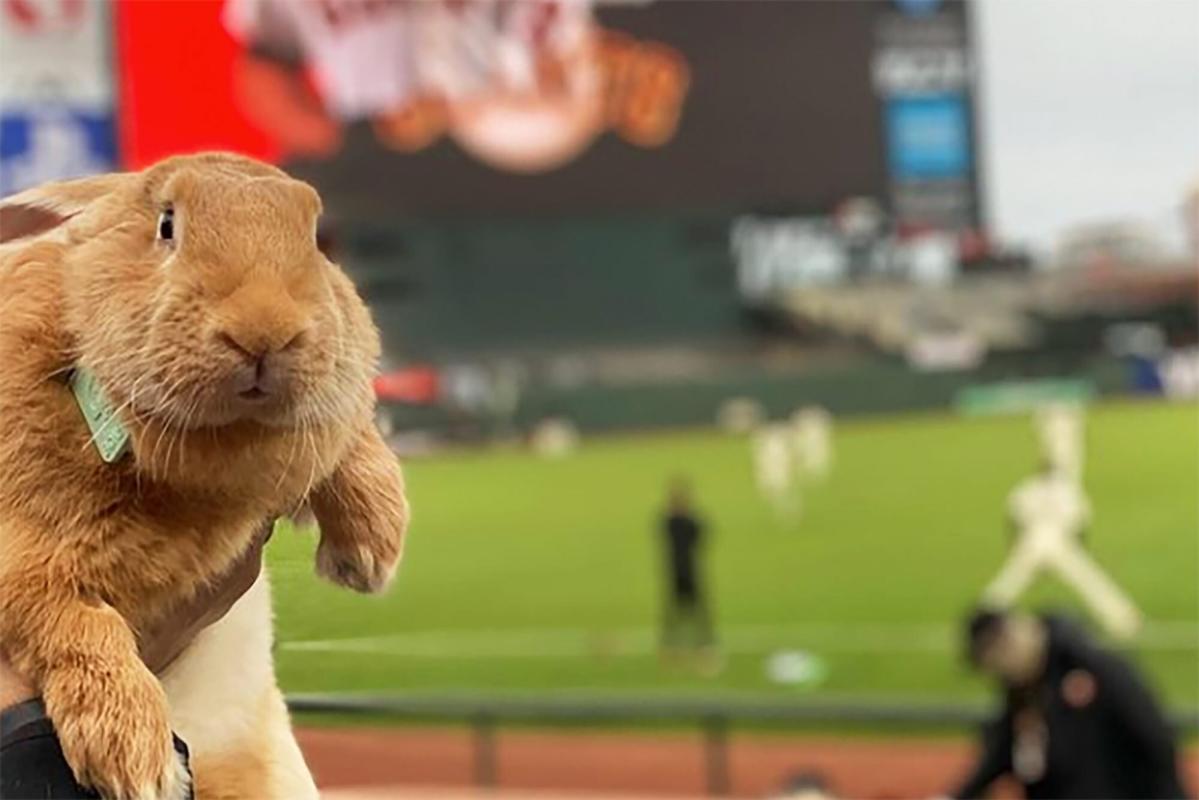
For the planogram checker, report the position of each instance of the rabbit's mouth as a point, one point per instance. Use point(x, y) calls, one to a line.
point(218, 403)
point(279, 388)
point(267, 405)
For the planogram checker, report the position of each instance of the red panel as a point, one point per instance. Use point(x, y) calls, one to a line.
point(175, 73)
point(417, 385)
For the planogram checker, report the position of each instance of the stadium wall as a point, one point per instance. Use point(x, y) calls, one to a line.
point(861, 387)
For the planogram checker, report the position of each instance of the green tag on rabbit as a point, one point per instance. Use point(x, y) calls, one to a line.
point(108, 434)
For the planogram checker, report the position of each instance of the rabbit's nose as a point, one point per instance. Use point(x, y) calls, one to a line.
point(253, 347)
point(258, 375)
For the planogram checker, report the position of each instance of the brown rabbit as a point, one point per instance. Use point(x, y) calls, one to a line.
point(235, 362)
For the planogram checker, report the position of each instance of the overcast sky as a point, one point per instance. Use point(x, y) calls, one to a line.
point(1090, 110)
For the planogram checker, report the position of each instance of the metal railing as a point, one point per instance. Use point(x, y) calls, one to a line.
point(714, 717)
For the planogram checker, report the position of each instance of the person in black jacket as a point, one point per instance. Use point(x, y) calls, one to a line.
point(1077, 720)
point(686, 604)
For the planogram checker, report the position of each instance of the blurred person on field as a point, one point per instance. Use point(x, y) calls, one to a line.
point(1060, 429)
point(774, 468)
point(686, 619)
point(1049, 513)
point(1076, 721)
point(813, 435)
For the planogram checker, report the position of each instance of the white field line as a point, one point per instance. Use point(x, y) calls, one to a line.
point(535, 643)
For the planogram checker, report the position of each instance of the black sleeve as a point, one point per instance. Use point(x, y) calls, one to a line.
point(1134, 706)
point(994, 761)
point(32, 763)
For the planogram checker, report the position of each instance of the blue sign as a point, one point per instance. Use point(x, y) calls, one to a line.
point(918, 8)
point(53, 142)
point(928, 136)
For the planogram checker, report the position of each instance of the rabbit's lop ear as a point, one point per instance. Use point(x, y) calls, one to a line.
point(35, 211)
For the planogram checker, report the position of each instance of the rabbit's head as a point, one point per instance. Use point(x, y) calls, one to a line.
point(195, 292)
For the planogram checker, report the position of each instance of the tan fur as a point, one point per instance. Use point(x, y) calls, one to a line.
point(90, 552)
point(234, 777)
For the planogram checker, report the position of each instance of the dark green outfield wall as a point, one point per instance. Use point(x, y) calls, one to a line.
point(870, 387)
point(469, 289)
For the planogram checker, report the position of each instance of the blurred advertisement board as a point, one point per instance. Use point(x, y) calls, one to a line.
point(923, 72)
point(570, 107)
point(928, 137)
point(776, 255)
point(522, 87)
point(1015, 397)
point(56, 116)
point(51, 140)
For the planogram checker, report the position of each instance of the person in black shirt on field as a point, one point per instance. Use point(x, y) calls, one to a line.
point(1077, 720)
point(686, 608)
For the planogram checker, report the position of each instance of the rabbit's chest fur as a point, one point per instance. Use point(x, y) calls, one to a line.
point(138, 542)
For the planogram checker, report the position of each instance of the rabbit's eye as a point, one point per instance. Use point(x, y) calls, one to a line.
point(166, 225)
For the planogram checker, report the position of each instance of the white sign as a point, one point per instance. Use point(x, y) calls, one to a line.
point(55, 91)
point(1179, 372)
point(946, 352)
point(775, 254)
point(906, 71)
point(54, 49)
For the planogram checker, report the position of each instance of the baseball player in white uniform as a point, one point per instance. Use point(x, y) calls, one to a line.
point(774, 468)
point(1050, 511)
point(812, 434)
point(1060, 430)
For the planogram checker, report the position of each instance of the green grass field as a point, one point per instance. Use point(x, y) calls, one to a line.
point(524, 574)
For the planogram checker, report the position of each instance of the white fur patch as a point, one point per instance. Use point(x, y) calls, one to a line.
point(224, 698)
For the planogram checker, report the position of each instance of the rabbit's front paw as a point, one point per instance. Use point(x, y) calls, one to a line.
point(115, 733)
point(361, 557)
